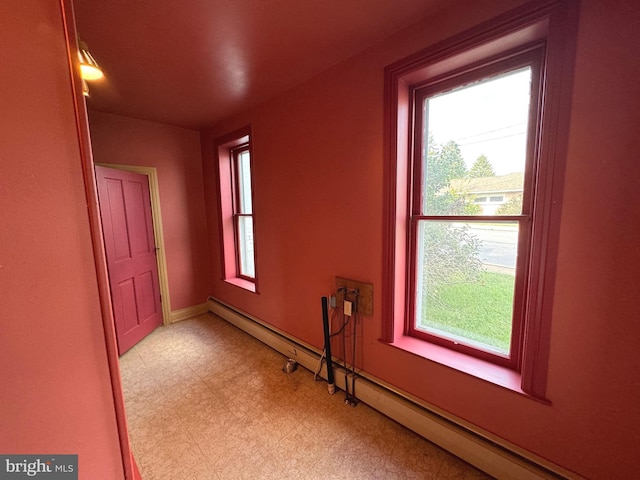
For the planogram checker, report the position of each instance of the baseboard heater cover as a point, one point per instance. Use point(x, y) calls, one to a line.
point(486, 452)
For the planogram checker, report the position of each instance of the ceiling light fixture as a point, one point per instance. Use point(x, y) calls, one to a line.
point(89, 68)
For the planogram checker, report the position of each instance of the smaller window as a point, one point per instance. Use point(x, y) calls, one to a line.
point(480, 200)
point(243, 212)
point(496, 199)
point(236, 209)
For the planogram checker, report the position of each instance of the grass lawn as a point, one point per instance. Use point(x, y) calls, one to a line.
point(479, 311)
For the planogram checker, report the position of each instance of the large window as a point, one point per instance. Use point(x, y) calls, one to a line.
point(473, 182)
point(474, 132)
point(236, 209)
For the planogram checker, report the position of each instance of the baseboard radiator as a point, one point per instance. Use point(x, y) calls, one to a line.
point(485, 451)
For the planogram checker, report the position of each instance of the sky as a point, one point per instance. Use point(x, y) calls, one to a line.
point(487, 118)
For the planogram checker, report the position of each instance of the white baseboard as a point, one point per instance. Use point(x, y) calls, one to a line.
point(189, 312)
point(485, 451)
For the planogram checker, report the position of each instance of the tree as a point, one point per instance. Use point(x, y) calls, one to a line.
point(450, 252)
point(512, 207)
point(443, 165)
point(450, 257)
point(482, 168)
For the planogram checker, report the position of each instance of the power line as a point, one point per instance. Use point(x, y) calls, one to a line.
point(489, 131)
point(491, 139)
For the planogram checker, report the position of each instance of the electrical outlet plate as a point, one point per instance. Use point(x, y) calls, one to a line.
point(364, 305)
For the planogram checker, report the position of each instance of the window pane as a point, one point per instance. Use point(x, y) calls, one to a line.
point(245, 246)
point(465, 277)
point(244, 182)
point(475, 146)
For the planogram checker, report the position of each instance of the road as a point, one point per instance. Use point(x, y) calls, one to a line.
point(499, 244)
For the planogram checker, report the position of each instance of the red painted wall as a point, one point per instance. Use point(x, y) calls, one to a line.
point(318, 165)
point(55, 390)
point(175, 153)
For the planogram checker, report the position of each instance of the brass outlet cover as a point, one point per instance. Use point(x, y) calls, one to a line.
point(364, 304)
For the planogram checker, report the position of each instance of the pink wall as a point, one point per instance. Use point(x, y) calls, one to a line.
point(318, 166)
point(175, 153)
point(55, 393)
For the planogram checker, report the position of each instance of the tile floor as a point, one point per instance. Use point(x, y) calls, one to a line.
point(205, 401)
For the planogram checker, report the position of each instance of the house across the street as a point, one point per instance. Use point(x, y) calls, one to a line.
point(490, 193)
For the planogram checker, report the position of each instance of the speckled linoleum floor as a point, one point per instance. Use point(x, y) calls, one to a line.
point(205, 401)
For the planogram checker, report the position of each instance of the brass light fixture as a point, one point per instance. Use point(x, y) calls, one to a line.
point(89, 68)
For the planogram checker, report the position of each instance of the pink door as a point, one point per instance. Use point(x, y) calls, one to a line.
point(125, 209)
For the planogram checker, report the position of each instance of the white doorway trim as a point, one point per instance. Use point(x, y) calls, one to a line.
point(163, 279)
